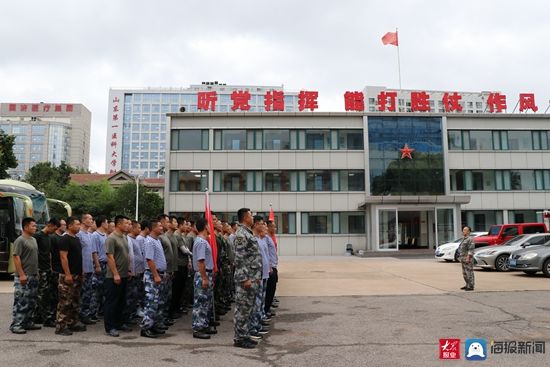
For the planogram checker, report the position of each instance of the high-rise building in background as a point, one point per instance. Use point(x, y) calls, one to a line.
point(136, 136)
point(47, 132)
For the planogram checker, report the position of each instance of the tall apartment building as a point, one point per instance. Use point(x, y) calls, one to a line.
point(53, 132)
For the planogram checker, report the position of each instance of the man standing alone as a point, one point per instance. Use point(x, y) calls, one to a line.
point(466, 252)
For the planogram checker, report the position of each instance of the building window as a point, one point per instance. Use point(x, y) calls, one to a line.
point(276, 139)
point(189, 139)
point(318, 181)
point(194, 180)
point(230, 181)
point(333, 223)
point(277, 181)
point(351, 139)
point(481, 220)
point(455, 139)
point(481, 140)
point(230, 139)
point(316, 223)
point(317, 139)
point(353, 180)
point(520, 140)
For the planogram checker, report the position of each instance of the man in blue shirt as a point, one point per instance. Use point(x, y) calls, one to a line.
point(273, 275)
point(203, 264)
point(98, 239)
point(88, 308)
point(155, 269)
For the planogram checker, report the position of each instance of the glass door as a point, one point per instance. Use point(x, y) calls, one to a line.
point(445, 226)
point(387, 230)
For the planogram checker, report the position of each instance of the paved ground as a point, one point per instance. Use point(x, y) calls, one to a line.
point(335, 312)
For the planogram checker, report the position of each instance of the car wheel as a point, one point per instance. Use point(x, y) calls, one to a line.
point(546, 268)
point(456, 256)
point(501, 262)
point(530, 272)
point(447, 260)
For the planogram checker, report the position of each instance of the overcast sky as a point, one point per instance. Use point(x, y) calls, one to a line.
point(75, 50)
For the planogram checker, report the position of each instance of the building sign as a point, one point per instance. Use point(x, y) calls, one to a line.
point(114, 133)
point(36, 108)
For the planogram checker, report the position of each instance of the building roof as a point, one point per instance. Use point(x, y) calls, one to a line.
point(87, 178)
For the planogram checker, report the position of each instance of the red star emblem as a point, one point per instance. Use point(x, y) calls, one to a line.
point(406, 152)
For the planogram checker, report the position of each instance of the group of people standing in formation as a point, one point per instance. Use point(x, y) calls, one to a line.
point(75, 271)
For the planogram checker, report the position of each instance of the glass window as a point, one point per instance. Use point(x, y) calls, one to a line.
point(455, 139)
point(317, 139)
point(38, 139)
point(233, 180)
point(276, 139)
point(6, 128)
point(19, 130)
point(234, 139)
point(520, 140)
point(522, 180)
point(352, 222)
point(188, 180)
point(481, 140)
point(524, 216)
point(351, 139)
point(481, 220)
point(189, 139)
point(352, 180)
point(318, 181)
point(276, 181)
point(38, 129)
point(316, 223)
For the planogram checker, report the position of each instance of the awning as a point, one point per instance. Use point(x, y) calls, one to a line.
point(413, 199)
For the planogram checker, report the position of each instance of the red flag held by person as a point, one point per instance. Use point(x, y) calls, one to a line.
point(212, 237)
point(272, 218)
point(390, 38)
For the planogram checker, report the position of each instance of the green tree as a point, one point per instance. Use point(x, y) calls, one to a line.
point(7, 158)
point(95, 198)
point(49, 178)
point(124, 202)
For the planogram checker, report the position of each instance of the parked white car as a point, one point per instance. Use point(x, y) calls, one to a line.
point(448, 251)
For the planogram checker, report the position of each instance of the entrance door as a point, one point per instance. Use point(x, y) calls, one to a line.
point(387, 229)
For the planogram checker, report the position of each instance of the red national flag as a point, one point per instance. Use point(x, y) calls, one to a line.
point(272, 218)
point(212, 237)
point(390, 38)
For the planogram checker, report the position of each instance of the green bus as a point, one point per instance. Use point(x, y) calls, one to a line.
point(17, 201)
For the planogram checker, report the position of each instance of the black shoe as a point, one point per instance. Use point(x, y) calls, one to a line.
point(49, 324)
point(148, 334)
point(217, 318)
point(112, 332)
point(157, 331)
point(124, 328)
point(266, 323)
point(244, 343)
point(174, 316)
point(463, 288)
point(94, 319)
point(214, 323)
point(270, 314)
point(169, 322)
point(64, 332)
point(78, 327)
point(200, 335)
point(274, 305)
point(209, 330)
point(87, 321)
point(32, 327)
point(18, 330)
point(252, 341)
point(161, 327)
point(468, 289)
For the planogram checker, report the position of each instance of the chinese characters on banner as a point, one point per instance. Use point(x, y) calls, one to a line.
point(114, 132)
point(386, 101)
point(40, 107)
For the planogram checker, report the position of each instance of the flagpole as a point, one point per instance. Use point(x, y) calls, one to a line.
point(398, 60)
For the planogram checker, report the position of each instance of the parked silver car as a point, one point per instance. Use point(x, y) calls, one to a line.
point(532, 259)
point(496, 257)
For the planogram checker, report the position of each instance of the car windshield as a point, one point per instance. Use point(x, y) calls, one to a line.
point(494, 230)
point(514, 240)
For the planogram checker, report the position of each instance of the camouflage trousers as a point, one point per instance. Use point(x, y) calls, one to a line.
point(257, 312)
point(218, 290)
point(227, 285)
point(202, 302)
point(165, 295)
point(88, 296)
point(24, 301)
point(69, 302)
point(151, 302)
point(244, 305)
point(100, 287)
point(134, 296)
point(468, 273)
point(44, 311)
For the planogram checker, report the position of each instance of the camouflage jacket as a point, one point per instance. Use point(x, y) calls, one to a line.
point(248, 260)
point(466, 248)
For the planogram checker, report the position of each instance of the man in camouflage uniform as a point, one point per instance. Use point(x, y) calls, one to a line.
point(203, 264)
point(155, 270)
point(248, 275)
point(466, 254)
point(184, 264)
point(46, 296)
point(223, 271)
point(25, 258)
point(166, 285)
